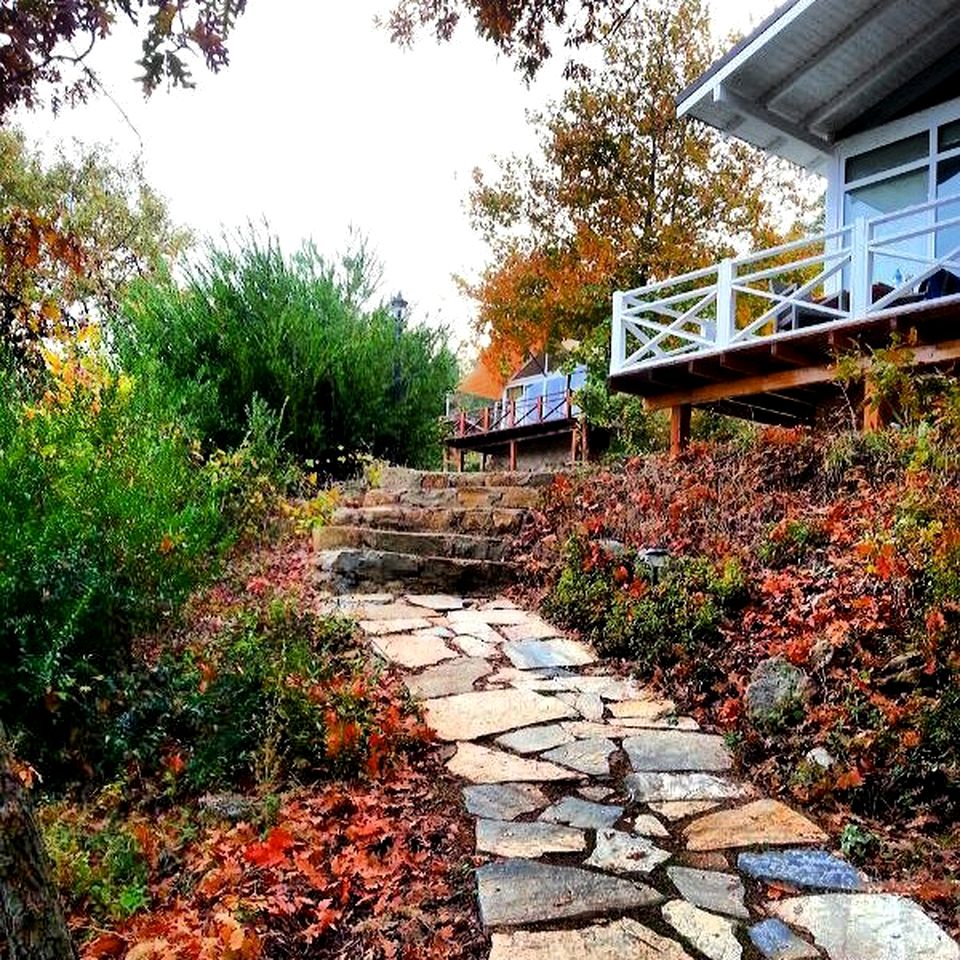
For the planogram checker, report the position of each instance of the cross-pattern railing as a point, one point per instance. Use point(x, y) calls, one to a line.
point(857, 271)
point(512, 413)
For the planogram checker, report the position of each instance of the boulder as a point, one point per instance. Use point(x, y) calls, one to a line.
point(776, 688)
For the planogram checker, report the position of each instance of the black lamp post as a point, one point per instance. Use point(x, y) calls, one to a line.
point(398, 310)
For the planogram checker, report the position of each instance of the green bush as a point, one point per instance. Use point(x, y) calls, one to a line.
point(617, 604)
point(108, 518)
point(790, 541)
point(278, 695)
point(293, 332)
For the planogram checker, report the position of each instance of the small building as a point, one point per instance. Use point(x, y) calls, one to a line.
point(864, 93)
point(526, 421)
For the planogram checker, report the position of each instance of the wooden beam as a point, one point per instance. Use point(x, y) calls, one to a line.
point(513, 455)
point(699, 368)
point(679, 428)
point(741, 364)
point(790, 354)
point(796, 131)
point(786, 379)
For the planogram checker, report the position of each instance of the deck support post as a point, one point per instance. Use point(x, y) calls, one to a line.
point(513, 455)
point(574, 435)
point(679, 428)
point(584, 442)
point(460, 455)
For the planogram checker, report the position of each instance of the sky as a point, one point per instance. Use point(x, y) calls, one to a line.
point(319, 123)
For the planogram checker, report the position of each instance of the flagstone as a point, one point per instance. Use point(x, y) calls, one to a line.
point(387, 611)
point(353, 600)
point(760, 822)
point(535, 739)
point(587, 756)
point(583, 813)
point(413, 652)
point(483, 765)
point(677, 750)
point(621, 852)
point(642, 709)
point(475, 647)
point(498, 603)
point(681, 809)
point(596, 794)
point(588, 705)
point(441, 603)
point(515, 892)
point(711, 890)
point(533, 628)
point(664, 723)
point(776, 941)
point(444, 632)
point(469, 716)
point(611, 941)
point(588, 729)
point(802, 868)
point(381, 628)
point(649, 826)
point(478, 630)
point(868, 926)
point(713, 936)
point(500, 617)
point(503, 801)
point(562, 652)
point(646, 787)
point(447, 678)
point(505, 839)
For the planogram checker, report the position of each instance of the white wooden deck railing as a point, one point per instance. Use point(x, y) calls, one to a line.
point(858, 271)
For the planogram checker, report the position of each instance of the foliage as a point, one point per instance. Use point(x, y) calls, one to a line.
point(48, 43)
point(622, 192)
point(293, 332)
point(73, 233)
point(653, 617)
point(849, 549)
point(519, 30)
point(275, 695)
point(108, 518)
point(337, 837)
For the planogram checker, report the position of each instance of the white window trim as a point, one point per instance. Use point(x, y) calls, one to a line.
point(929, 120)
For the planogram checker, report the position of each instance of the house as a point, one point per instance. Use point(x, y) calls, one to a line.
point(864, 93)
point(526, 421)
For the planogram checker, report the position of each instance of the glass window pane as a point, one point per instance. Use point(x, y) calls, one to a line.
point(948, 136)
point(887, 157)
point(899, 260)
point(948, 185)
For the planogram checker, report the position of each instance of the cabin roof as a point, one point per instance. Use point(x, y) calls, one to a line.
point(816, 71)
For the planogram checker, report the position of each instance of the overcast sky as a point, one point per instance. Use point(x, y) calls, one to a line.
point(320, 122)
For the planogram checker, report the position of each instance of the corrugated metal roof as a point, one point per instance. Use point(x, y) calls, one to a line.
point(812, 72)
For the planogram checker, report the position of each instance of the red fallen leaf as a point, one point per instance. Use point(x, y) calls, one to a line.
point(849, 779)
point(106, 945)
point(272, 852)
point(730, 711)
point(621, 575)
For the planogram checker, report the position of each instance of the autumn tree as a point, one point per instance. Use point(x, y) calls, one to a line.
point(47, 43)
point(622, 191)
point(523, 30)
point(74, 232)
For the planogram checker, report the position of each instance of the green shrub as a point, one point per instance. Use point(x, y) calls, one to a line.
point(278, 695)
point(108, 518)
point(101, 867)
point(790, 542)
point(293, 332)
point(617, 603)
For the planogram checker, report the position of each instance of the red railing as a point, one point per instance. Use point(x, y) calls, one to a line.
point(513, 413)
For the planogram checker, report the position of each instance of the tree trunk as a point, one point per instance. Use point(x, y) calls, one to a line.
point(31, 918)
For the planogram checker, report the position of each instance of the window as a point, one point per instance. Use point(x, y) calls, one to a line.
point(909, 171)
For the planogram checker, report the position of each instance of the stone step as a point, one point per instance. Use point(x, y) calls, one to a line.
point(400, 478)
point(461, 546)
point(494, 521)
point(470, 497)
point(354, 570)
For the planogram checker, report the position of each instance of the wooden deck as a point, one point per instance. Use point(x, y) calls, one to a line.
point(784, 379)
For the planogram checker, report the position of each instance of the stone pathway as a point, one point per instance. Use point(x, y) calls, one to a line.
point(608, 828)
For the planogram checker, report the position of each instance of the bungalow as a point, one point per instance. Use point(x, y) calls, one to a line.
point(533, 420)
point(863, 93)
